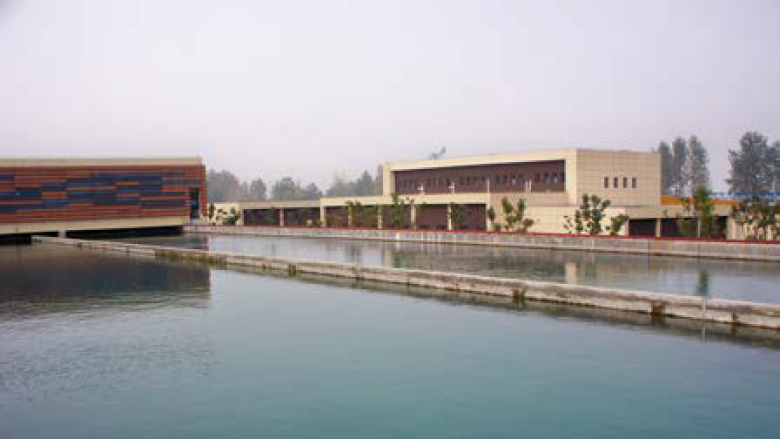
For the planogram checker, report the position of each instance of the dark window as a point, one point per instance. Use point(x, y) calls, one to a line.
point(616, 182)
point(514, 180)
point(606, 182)
point(625, 182)
point(520, 177)
point(505, 179)
point(537, 178)
point(563, 177)
point(449, 182)
point(460, 181)
point(633, 183)
point(555, 178)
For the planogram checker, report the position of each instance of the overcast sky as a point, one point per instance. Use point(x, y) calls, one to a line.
point(309, 88)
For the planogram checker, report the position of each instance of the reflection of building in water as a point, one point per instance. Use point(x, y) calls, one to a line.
point(651, 273)
point(56, 278)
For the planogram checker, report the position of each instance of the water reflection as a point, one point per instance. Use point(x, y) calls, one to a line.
point(746, 280)
point(42, 279)
point(74, 321)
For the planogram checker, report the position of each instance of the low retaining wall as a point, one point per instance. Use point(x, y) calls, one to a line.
point(663, 247)
point(657, 304)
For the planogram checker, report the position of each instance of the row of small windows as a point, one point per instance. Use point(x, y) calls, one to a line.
point(498, 180)
point(616, 182)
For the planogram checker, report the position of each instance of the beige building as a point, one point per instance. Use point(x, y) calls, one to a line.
point(552, 183)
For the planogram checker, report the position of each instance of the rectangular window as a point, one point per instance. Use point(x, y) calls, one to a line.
point(555, 178)
point(514, 180)
point(505, 179)
point(625, 182)
point(616, 184)
point(606, 182)
point(537, 177)
point(633, 183)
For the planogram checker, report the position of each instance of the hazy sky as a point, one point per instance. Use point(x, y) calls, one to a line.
point(307, 88)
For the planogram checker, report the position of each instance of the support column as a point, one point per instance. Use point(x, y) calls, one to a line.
point(281, 217)
point(323, 217)
point(413, 216)
point(379, 217)
point(449, 216)
point(658, 227)
point(62, 234)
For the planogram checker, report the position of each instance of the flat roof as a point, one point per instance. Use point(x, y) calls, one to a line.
point(23, 162)
point(491, 159)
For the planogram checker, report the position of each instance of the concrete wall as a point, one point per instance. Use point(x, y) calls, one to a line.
point(656, 304)
point(96, 224)
point(687, 248)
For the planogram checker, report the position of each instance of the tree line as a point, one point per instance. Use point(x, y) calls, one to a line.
point(755, 166)
point(224, 186)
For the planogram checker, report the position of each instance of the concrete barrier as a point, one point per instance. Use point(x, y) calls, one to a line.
point(739, 250)
point(656, 304)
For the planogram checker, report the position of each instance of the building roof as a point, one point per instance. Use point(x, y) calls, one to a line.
point(491, 159)
point(22, 162)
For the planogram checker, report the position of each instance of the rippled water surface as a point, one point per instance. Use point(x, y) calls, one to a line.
point(106, 346)
point(744, 280)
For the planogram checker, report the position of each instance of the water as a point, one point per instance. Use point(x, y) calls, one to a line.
point(743, 280)
point(106, 346)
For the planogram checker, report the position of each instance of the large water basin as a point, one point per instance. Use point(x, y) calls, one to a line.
point(101, 345)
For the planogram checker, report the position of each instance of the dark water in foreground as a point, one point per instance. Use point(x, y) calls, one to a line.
point(743, 280)
point(94, 345)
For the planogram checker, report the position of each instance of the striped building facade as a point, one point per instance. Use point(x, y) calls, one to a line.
point(53, 195)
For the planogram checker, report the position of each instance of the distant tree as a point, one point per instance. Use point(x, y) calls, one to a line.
point(379, 181)
point(286, 189)
point(399, 212)
point(491, 216)
point(775, 165)
point(257, 190)
point(697, 219)
point(341, 187)
point(667, 168)
point(364, 185)
point(752, 165)
point(514, 216)
point(458, 215)
point(588, 217)
point(698, 171)
point(312, 192)
point(679, 176)
point(758, 218)
point(616, 224)
point(224, 186)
